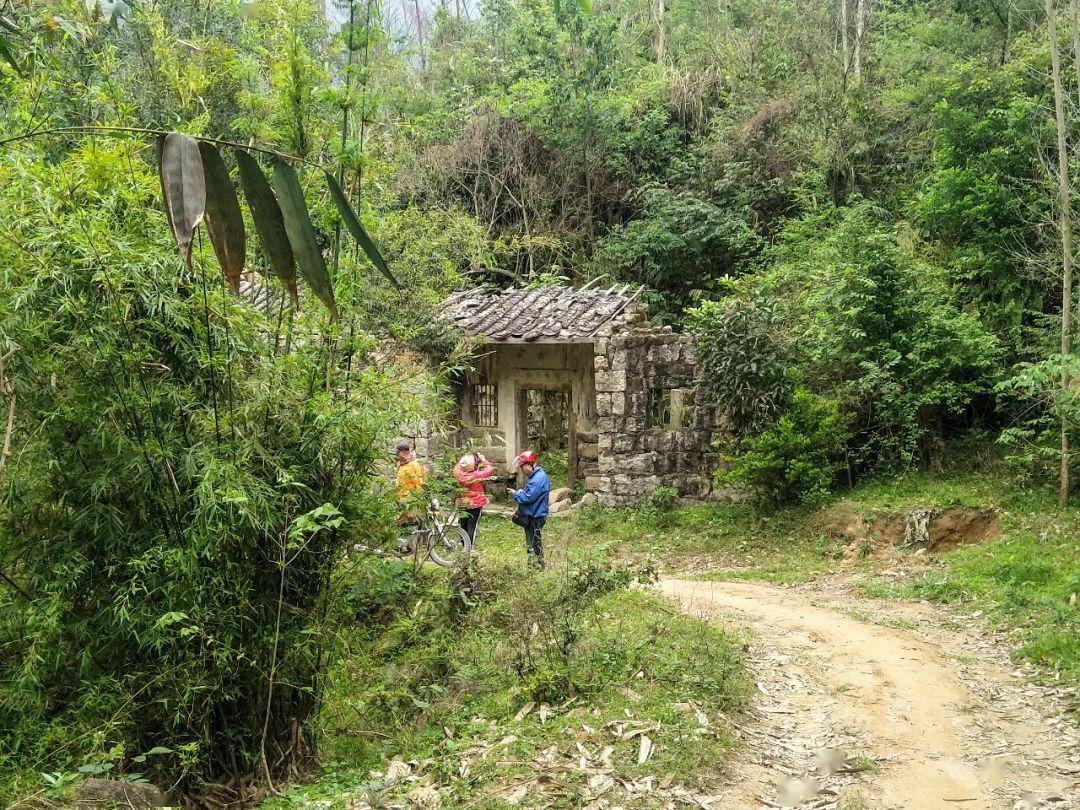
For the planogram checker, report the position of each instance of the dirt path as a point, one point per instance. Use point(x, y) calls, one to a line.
point(885, 705)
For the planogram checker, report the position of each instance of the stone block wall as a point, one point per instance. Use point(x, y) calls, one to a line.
point(634, 362)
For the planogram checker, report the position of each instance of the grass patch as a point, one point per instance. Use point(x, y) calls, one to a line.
point(784, 547)
point(435, 671)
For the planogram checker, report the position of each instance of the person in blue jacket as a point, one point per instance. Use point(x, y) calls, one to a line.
point(533, 505)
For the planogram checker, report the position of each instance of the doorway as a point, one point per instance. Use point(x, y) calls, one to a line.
point(545, 422)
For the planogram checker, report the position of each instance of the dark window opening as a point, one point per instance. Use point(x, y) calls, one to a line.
point(659, 407)
point(671, 408)
point(485, 405)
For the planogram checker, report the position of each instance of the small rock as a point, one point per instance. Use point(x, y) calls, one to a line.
point(96, 794)
point(588, 499)
point(559, 495)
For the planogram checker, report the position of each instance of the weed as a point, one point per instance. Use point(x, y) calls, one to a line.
point(863, 764)
point(577, 638)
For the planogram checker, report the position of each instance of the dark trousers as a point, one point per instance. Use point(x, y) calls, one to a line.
point(470, 519)
point(534, 542)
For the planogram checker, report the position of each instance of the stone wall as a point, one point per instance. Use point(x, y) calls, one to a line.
point(640, 369)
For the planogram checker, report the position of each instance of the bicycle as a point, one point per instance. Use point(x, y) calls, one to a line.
point(440, 538)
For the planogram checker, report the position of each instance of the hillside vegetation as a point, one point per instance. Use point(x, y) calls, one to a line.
point(848, 203)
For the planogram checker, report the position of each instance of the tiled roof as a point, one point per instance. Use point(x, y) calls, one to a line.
point(552, 314)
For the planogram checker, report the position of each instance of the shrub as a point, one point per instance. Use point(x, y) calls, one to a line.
point(659, 507)
point(795, 459)
point(876, 327)
point(540, 623)
point(744, 361)
point(181, 492)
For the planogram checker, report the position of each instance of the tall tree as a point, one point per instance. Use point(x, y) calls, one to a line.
point(861, 12)
point(1066, 235)
point(844, 37)
point(659, 12)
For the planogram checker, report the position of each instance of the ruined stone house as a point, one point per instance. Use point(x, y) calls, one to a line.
point(635, 421)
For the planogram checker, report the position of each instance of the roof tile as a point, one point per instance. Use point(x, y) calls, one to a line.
point(553, 313)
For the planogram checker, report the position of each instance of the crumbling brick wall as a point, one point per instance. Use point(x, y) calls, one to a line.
point(635, 364)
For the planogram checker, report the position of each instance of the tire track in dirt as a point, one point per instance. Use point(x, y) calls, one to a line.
point(944, 734)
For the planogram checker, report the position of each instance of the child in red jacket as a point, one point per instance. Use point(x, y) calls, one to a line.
point(471, 470)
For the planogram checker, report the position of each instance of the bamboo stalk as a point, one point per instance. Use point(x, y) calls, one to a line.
point(9, 391)
point(210, 352)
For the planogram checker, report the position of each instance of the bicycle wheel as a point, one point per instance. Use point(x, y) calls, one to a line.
point(451, 548)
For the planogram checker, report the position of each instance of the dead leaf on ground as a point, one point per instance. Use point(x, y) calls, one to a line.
point(517, 794)
point(645, 751)
point(601, 784)
point(397, 771)
point(425, 796)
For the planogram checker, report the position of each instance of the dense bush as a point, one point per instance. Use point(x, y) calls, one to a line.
point(745, 363)
point(876, 328)
point(181, 488)
point(798, 457)
point(676, 235)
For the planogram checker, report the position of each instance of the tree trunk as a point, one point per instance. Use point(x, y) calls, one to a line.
point(660, 12)
point(7, 390)
point(844, 37)
point(860, 28)
point(1066, 236)
point(1006, 41)
point(420, 34)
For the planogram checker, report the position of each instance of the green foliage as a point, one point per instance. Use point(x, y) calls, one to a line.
point(1044, 406)
point(543, 621)
point(795, 459)
point(180, 493)
point(678, 243)
point(876, 328)
point(744, 362)
point(985, 196)
point(660, 504)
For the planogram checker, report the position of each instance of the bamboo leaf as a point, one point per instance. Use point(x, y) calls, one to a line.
point(556, 7)
point(586, 6)
point(183, 187)
point(8, 55)
point(301, 233)
point(224, 220)
point(353, 224)
point(269, 223)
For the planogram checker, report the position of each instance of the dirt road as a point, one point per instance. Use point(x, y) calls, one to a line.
point(867, 704)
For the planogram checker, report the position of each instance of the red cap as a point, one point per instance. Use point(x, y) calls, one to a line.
point(525, 457)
